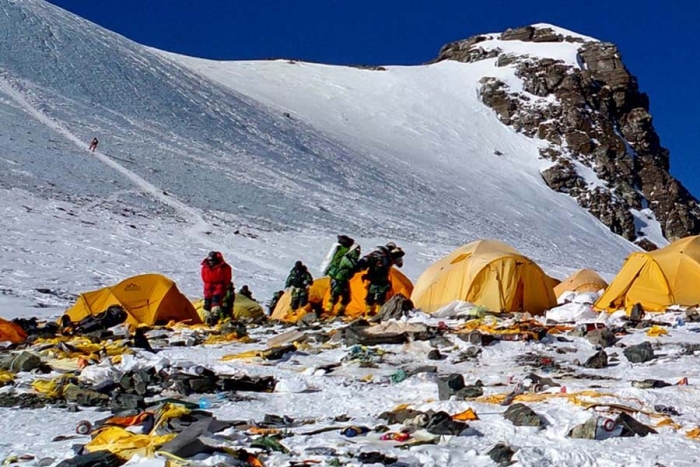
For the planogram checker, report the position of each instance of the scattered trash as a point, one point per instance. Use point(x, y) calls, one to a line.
point(352, 431)
point(84, 427)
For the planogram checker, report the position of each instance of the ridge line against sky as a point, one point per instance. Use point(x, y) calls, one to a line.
point(656, 40)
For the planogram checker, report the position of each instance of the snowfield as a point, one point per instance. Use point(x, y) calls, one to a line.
point(267, 162)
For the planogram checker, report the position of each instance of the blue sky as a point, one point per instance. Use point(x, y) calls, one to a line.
point(659, 40)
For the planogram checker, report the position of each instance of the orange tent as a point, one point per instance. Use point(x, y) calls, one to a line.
point(320, 294)
point(583, 280)
point(358, 290)
point(148, 299)
point(10, 332)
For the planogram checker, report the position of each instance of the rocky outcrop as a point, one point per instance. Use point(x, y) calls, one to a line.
point(595, 121)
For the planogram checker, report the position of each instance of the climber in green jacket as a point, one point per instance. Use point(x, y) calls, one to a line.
point(299, 281)
point(341, 270)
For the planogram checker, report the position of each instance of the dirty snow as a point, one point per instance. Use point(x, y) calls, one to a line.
point(197, 155)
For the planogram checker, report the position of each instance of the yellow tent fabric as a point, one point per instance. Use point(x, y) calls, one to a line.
point(657, 279)
point(243, 308)
point(319, 295)
point(11, 332)
point(317, 291)
point(148, 299)
point(583, 280)
point(487, 273)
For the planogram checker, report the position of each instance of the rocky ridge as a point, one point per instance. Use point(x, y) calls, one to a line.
point(593, 117)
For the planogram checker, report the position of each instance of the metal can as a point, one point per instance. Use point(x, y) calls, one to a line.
point(84, 427)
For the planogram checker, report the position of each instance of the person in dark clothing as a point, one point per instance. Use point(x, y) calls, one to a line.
point(272, 304)
point(216, 275)
point(246, 292)
point(227, 302)
point(299, 280)
point(340, 271)
point(93, 144)
point(378, 265)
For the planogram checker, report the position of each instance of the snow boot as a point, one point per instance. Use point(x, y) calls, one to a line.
point(341, 310)
point(329, 308)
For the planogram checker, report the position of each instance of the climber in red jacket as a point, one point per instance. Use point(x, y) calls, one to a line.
point(216, 275)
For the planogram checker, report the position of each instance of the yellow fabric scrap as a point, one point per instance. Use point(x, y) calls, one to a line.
point(490, 325)
point(668, 421)
point(63, 364)
point(401, 407)
point(168, 412)
point(225, 338)
point(125, 444)
point(6, 377)
point(51, 388)
point(466, 416)
point(694, 433)
point(367, 379)
point(242, 355)
point(543, 396)
point(656, 331)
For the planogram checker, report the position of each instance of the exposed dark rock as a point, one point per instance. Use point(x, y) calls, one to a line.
point(470, 392)
point(84, 396)
point(25, 361)
point(601, 337)
point(449, 385)
point(501, 454)
point(639, 353)
point(585, 430)
point(524, 34)
point(441, 423)
point(650, 384)
point(522, 415)
point(631, 427)
point(599, 360)
point(127, 402)
point(397, 307)
point(22, 401)
point(94, 459)
point(599, 119)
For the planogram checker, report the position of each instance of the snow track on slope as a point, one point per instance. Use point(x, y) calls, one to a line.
point(199, 229)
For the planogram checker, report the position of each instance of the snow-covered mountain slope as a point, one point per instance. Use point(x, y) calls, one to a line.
point(263, 160)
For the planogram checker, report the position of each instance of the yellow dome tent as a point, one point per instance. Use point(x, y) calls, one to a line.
point(583, 280)
point(320, 294)
point(657, 279)
point(148, 299)
point(487, 273)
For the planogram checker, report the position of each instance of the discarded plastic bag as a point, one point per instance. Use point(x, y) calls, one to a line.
point(126, 444)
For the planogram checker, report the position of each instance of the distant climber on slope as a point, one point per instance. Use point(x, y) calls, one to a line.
point(216, 276)
point(93, 144)
point(299, 280)
point(340, 270)
point(378, 265)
